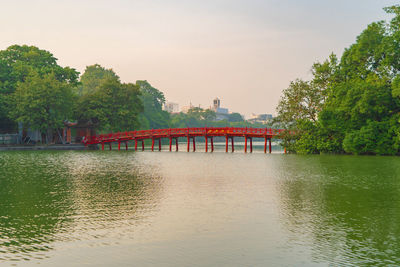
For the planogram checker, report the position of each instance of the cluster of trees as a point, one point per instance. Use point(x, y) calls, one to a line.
point(34, 89)
point(41, 95)
point(351, 105)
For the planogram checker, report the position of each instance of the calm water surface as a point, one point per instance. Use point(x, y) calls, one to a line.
point(198, 209)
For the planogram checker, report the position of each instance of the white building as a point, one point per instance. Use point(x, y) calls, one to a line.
point(171, 107)
point(185, 109)
point(221, 113)
point(261, 118)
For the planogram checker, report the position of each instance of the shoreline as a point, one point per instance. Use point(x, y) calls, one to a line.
point(44, 147)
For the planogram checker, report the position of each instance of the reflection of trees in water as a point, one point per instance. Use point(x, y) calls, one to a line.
point(61, 196)
point(348, 206)
point(112, 194)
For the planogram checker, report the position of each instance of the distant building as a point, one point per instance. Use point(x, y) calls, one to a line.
point(221, 113)
point(261, 118)
point(171, 107)
point(185, 109)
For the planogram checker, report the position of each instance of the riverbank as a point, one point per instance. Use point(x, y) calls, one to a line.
point(44, 147)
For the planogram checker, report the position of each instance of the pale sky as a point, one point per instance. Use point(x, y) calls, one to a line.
point(243, 51)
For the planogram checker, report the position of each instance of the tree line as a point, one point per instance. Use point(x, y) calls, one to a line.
point(39, 94)
point(351, 104)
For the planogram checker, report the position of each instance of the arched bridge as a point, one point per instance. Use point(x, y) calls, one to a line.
point(189, 133)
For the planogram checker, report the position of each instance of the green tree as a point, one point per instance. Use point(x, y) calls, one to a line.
point(17, 63)
point(42, 103)
point(93, 77)
point(153, 117)
point(114, 106)
point(235, 117)
point(353, 105)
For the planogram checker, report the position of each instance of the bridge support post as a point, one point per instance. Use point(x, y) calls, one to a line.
point(159, 144)
point(245, 144)
point(110, 145)
point(265, 144)
point(194, 143)
point(212, 144)
point(226, 143)
point(233, 144)
point(270, 147)
point(135, 144)
point(126, 145)
point(251, 144)
point(188, 143)
point(206, 139)
point(142, 145)
point(102, 146)
point(152, 144)
point(119, 145)
point(176, 144)
point(170, 144)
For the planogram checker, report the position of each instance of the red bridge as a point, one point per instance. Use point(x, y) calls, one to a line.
point(189, 133)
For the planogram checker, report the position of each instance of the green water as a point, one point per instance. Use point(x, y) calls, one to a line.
point(198, 209)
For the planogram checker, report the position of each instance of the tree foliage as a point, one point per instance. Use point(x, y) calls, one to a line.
point(42, 102)
point(153, 117)
point(112, 106)
point(351, 105)
point(18, 63)
point(93, 77)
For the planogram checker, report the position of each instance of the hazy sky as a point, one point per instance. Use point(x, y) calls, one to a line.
point(243, 51)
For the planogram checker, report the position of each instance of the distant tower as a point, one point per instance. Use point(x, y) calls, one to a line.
point(217, 103)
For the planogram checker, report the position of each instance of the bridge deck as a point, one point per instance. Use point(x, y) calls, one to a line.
point(189, 133)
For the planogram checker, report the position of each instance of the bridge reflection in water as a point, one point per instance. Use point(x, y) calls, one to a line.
point(190, 134)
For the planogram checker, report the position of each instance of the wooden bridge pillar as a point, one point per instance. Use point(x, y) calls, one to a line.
point(119, 145)
point(152, 144)
point(170, 144)
point(265, 144)
point(233, 145)
point(226, 143)
point(270, 147)
point(251, 144)
point(188, 143)
point(142, 145)
point(135, 144)
point(206, 143)
point(245, 144)
point(110, 145)
point(212, 144)
point(126, 145)
point(102, 146)
point(194, 143)
point(176, 144)
point(159, 144)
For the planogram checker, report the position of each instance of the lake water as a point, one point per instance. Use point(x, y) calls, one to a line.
point(110, 208)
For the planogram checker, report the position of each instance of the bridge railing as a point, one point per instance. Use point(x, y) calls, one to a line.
point(181, 132)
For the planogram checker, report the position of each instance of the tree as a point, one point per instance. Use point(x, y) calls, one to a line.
point(93, 77)
point(42, 103)
point(17, 63)
point(153, 116)
point(235, 117)
point(353, 105)
point(114, 106)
